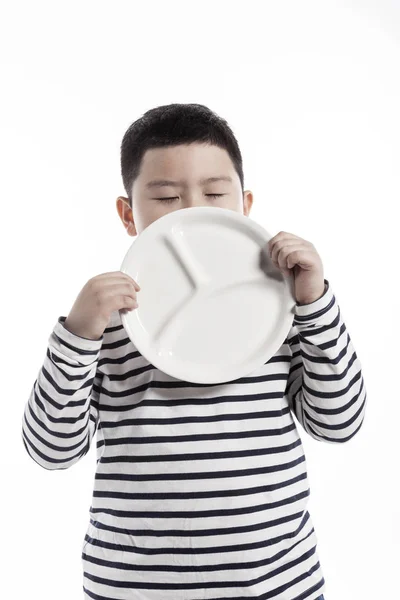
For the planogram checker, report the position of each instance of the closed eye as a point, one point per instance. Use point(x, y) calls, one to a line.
point(168, 200)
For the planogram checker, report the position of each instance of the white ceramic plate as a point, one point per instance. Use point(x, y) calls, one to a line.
point(209, 312)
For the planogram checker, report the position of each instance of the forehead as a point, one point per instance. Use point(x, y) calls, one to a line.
point(191, 162)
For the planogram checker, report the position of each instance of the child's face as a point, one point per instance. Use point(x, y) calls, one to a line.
point(188, 164)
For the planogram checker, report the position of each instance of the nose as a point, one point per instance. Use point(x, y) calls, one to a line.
point(194, 200)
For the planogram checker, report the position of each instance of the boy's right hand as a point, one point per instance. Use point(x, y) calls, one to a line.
point(99, 297)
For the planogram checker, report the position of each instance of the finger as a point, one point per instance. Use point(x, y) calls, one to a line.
point(302, 257)
point(277, 242)
point(116, 274)
point(131, 280)
point(279, 246)
point(283, 235)
point(291, 256)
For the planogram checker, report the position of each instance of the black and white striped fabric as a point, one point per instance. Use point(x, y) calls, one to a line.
point(200, 490)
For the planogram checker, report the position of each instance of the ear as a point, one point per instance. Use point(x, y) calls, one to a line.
point(125, 214)
point(247, 202)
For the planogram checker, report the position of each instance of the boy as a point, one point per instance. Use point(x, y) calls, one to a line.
point(201, 490)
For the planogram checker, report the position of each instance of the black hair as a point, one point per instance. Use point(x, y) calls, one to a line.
point(172, 125)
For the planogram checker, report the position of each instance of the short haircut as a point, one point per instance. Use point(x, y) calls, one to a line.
point(172, 125)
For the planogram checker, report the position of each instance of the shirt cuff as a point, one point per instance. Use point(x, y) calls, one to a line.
point(309, 314)
point(83, 350)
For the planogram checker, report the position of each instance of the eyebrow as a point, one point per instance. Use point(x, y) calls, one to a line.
point(167, 182)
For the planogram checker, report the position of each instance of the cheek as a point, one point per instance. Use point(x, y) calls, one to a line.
point(157, 211)
point(233, 203)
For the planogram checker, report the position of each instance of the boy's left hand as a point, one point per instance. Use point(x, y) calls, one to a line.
point(293, 255)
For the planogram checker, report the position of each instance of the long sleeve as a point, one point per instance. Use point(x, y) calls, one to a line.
point(325, 387)
point(61, 414)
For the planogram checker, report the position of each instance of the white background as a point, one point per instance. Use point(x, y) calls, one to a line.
point(312, 93)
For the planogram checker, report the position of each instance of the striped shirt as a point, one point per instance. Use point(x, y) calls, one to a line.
point(200, 491)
